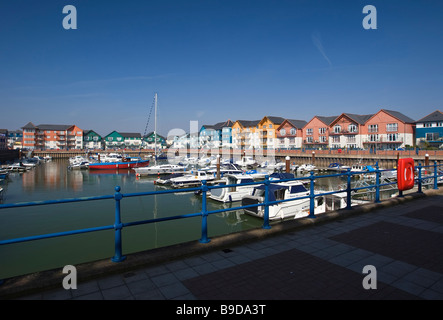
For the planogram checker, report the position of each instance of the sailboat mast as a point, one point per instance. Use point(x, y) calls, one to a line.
point(155, 128)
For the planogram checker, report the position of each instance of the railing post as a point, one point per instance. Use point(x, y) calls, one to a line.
point(118, 257)
point(204, 238)
point(266, 208)
point(377, 184)
point(435, 175)
point(348, 190)
point(311, 196)
point(419, 178)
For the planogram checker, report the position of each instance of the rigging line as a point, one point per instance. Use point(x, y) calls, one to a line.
point(146, 127)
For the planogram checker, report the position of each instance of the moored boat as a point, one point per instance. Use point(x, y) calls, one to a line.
point(118, 165)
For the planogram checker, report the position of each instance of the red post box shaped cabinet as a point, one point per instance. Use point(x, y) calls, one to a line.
point(405, 174)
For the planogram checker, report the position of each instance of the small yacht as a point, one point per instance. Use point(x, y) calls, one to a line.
point(246, 161)
point(194, 178)
point(235, 193)
point(159, 169)
point(279, 191)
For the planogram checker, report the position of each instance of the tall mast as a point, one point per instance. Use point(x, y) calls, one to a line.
point(155, 128)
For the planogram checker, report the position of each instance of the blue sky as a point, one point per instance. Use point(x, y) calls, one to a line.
point(215, 60)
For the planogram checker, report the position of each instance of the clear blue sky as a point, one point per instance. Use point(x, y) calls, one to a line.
point(215, 60)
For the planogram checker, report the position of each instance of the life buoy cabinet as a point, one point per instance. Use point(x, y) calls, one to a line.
point(405, 174)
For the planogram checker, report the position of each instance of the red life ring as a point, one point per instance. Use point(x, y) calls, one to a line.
point(405, 174)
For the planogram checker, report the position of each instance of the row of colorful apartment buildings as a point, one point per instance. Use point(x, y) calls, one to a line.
point(66, 137)
point(386, 129)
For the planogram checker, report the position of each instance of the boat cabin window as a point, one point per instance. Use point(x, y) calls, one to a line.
point(280, 194)
point(298, 188)
point(258, 192)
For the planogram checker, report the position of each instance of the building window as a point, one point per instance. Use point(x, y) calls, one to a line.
point(392, 136)
point(293, 131)
point(336, 139)
point(337, 128)
point(432, 136)
point(352, 128)
point(373, 128)
point(309, 139)
point(323, 139)
point(439, 124)
point(373, 137)
point(391, 127)
point(321, 130)
point(309, 132)
point(350, 139)
point(282, 132)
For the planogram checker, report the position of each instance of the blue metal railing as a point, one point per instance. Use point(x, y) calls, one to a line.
point(204, 213)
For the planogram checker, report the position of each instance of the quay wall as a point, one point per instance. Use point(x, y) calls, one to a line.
point(387, 159)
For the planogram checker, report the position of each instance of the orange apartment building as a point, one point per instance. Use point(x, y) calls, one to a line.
point(52, 136)
point(290, 133)
point(267, 132)
point(245, 134)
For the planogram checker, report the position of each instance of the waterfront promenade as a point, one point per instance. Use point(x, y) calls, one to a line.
point(305, 259)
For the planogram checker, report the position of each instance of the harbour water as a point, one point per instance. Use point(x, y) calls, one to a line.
point(52, 180)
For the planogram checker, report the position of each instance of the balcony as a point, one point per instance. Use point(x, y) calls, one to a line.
point(383, 140)
point(332, 133)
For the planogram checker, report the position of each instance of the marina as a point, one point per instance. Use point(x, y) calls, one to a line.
point(49, 181)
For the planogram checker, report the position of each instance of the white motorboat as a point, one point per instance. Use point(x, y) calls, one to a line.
point(79, 165)
point(159, 169)
point(235, 193)
point(272, 165)
point(166, 180)
point(279, 191)
point(231, 194)
point(192, 179)
point(336, 166)
point(306, 168)
point(246, 161)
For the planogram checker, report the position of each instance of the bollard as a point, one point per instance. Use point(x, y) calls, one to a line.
point(311, 196)
point(118, 257)
point(266, 209)
point(204, 238)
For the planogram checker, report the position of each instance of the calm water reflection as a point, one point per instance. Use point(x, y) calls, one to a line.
point(53, 180)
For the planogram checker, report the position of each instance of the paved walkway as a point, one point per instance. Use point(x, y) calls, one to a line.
point(404, 243)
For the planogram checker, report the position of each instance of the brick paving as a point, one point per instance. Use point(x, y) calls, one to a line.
point(325, 261)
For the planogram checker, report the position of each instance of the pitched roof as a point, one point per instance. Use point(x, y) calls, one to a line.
point(434, 116)
point(249, 123)
point(276, 120)
point(130, 134)
point(219, 125)
point(29, 125)
point(297, 123)
point(326, 120)
point(400, 116)
point(361, 119)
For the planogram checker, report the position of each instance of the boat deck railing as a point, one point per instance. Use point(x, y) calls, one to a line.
point(429, 175)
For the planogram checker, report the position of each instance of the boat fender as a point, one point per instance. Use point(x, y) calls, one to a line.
point(230, 198)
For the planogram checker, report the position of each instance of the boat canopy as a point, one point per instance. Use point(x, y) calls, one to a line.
point(275, 190)
point(282, 175)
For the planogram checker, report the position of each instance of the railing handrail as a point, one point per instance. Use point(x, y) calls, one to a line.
point(204, 188)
